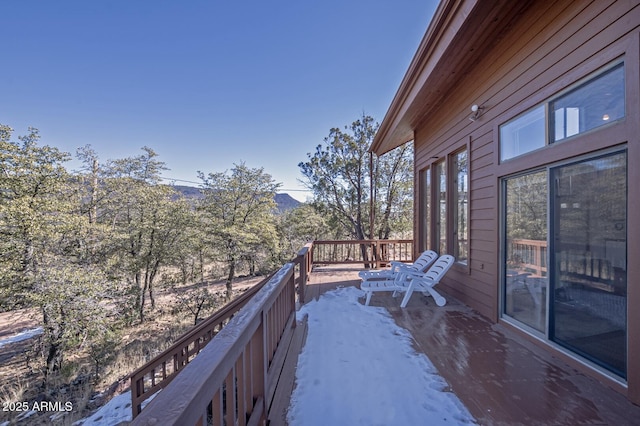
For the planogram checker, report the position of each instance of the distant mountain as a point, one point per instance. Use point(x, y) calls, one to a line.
point(188, 191)
point(284, 201)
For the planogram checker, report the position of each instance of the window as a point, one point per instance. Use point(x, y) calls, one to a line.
point(588, 283)
point(441, 207)
point(589, 105)
point(460, 204)
point(522, 134)
point(444, 209)
point(525, 271)
point(563, 239)
point(426, 208)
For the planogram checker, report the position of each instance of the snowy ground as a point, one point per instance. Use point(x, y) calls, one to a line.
point(117, 410)
point(359, 368)
point(23, 335)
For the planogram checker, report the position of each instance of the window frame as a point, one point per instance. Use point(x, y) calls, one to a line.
point(440, 202)
point(455, 205)
point(425, 206)
point(546, 335)
point(549, 114)
point(429, 230)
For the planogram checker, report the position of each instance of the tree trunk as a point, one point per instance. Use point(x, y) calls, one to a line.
point(54, 352)
point(152, 278)
point(201, 253)
point(360, 235)
point(184, 272)
point(93, 207)
point(141, 299)
point(232, 271)
point(252, 266)
point(152, 299)
point(197, 312)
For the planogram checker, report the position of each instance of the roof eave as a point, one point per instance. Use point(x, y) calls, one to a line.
point(395, 128)
point(460, 33)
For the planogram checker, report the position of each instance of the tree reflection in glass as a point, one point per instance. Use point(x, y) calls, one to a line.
point(525, 272)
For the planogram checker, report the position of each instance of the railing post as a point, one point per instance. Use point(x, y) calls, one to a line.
point(303, 278)
point(304, 260)
point(266, 332)
point(302, 285)
point(376, 253)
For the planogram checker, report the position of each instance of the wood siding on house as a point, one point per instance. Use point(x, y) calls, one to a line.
point(539, 49)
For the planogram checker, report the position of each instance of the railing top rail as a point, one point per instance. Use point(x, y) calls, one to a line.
point(305, 249)
point(529, 242)
point(388, 241)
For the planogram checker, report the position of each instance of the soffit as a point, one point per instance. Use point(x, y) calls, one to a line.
point(459, 35)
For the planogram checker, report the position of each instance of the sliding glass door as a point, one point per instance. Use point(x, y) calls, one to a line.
point(589, 258)
point(565, 256)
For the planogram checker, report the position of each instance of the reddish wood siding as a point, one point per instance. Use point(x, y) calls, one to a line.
point(548, 47)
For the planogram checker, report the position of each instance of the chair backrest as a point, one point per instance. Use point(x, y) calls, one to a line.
point(439, 268)
point(425, 260)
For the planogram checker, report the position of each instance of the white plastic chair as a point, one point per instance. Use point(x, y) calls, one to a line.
point(421, 264)
point(425, 282)
point(410, 281)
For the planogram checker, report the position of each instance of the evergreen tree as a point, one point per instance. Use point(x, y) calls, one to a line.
point(239, 209)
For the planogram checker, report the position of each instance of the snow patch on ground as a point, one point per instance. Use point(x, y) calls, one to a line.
point(357, 368)
point(23, 335)
point(117, 410)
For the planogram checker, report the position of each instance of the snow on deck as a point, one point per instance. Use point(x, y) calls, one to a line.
point(359, 368)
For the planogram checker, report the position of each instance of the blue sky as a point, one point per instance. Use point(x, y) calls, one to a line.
point(205, 84)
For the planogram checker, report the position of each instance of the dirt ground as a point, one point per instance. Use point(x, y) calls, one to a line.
point(14, 322)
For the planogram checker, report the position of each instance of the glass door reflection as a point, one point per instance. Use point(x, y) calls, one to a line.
point(525, 274)
point(589, 286)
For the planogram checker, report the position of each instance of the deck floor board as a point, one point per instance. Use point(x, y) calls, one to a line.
point(502, 378)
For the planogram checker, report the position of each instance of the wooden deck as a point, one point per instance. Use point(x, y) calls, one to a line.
point(502, 378)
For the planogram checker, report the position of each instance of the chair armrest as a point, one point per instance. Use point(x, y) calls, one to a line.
point(413, 274)
point(403, 267)
point(395, 265)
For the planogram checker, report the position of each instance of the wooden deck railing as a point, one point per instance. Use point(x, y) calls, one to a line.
point(232, 381)
point(162, 369)
point(530, 255)
point(374, 253)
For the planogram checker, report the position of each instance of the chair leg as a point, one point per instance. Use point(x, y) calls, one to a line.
point(440, 301)
point(369, 293)
point(406, 297)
